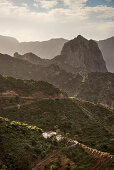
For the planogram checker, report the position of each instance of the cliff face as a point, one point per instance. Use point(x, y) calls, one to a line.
point(81, 55)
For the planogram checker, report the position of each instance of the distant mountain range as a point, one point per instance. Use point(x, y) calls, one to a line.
point(107, 48)
point(51, 48)
point(45, 49)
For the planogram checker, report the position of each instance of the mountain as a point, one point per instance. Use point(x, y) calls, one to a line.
point(81, 55)
point(44, 49)
point(77, 56)
point(51, 48)
point(107, 48)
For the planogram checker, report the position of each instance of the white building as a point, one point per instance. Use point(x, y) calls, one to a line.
point(48, 134)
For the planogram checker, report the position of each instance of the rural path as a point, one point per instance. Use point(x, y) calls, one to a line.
point(31, 100)
point(15, 106)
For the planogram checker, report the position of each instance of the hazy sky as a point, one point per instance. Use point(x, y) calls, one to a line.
point(30, 20)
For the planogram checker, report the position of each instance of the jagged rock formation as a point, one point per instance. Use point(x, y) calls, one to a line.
point(81, 55)
point(107, 48)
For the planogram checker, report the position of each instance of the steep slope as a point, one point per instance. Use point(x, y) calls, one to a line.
point(107, 48)
point(81, 55)
point(71, 117)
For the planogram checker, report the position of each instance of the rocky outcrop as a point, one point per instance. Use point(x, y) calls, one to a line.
point(81, 55)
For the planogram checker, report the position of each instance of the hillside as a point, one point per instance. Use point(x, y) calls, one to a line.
point(107, 48)
point(22, 69)
point(98, 88)
point(23, 88)
point(30, 150)
point(24, 147)
point(89, 126)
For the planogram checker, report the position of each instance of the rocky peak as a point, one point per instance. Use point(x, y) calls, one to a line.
point(81, 55)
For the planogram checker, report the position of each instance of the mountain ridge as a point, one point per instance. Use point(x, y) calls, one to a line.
point(48, 49)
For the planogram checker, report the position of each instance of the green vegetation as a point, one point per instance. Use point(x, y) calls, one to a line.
point(21, 145)
point(69, 117)
point(10, 101)
point(28, 87)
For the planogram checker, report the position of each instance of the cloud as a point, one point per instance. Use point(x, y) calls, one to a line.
point(35, 5)
point(108, 1)
point(47, 4)
point(92, 22)
point(74, 3)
